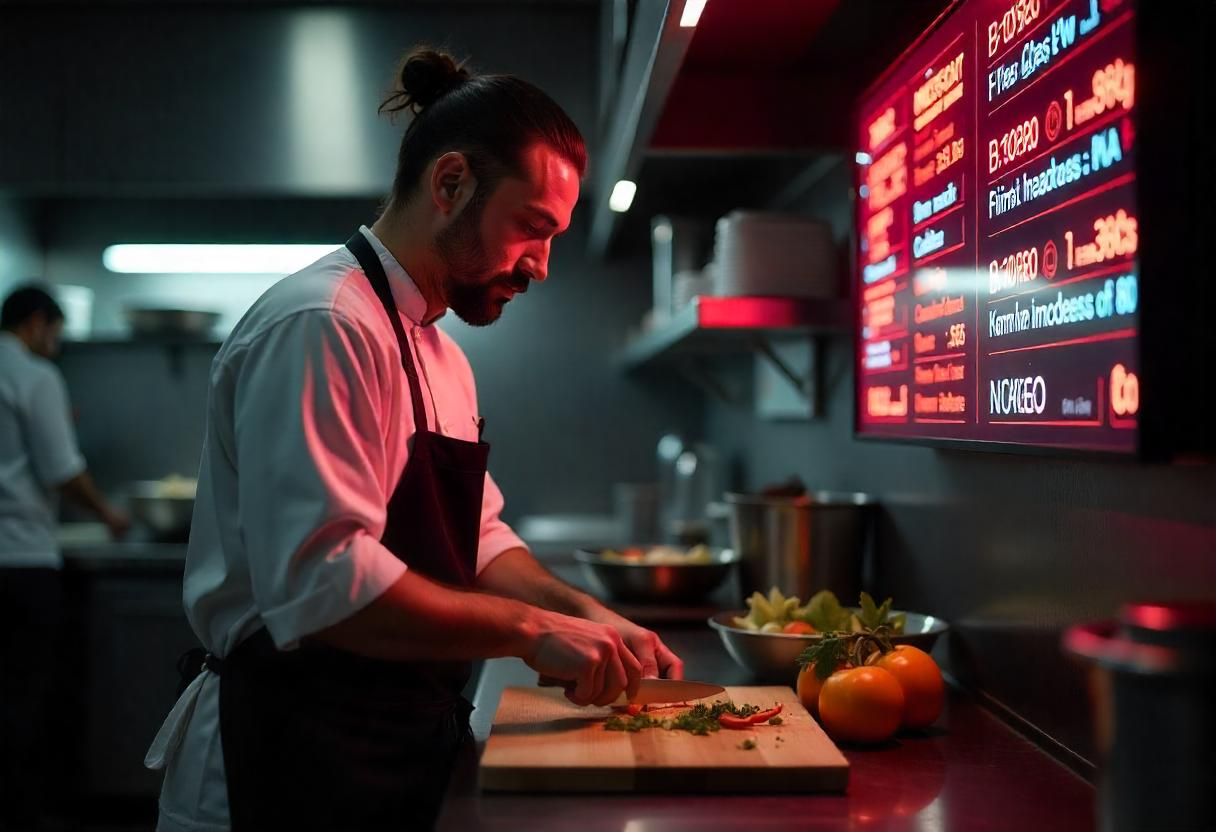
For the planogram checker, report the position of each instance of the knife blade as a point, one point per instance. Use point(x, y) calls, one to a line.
point(652, 691)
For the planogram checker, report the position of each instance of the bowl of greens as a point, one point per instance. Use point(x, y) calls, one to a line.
point(767, 638)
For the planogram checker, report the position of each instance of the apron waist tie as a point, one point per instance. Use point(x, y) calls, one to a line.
point(190, 668)
point(191, 663)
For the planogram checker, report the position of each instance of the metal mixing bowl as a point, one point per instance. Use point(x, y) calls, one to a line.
point(166, 513)
point(657, 583)
point(180, 323)
point(774, 656)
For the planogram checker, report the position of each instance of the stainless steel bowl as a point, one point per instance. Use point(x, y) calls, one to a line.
point(774, 656)
point(651, 583)
point(166, 514)
point(183, 323)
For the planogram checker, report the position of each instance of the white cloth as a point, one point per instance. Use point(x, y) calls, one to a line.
point(308, 426)
point(38, 452)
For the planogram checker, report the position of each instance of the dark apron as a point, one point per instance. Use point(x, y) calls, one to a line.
point(319, 738)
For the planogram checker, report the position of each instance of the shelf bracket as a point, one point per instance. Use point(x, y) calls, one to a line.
point(703, 378)
point(805, 383)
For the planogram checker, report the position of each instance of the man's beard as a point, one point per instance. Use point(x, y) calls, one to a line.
point(471, 290)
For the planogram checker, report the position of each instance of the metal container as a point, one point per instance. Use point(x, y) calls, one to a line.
point(801, 544)
point(657, 583)
point(773, 656)
point(182, 323)
point(166, 509)
point(1153, 685)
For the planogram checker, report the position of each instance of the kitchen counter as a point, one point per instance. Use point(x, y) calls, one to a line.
point(126, 557)
point(87, 547)
point(970, 771)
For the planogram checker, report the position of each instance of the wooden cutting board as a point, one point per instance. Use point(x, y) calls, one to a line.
point(540, 742)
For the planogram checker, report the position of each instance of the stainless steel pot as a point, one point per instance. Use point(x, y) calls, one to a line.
point(1153, 685)
point(801, 544)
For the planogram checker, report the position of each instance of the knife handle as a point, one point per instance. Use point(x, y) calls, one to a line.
point(550, 682)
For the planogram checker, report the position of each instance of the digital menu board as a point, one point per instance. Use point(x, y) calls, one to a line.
point(997, 278)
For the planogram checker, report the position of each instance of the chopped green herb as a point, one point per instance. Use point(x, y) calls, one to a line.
point(700, 719)
point(775, 721)
point(748, 745)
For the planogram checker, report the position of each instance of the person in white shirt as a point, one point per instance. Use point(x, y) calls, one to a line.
point(347, 559)
point(39, 459)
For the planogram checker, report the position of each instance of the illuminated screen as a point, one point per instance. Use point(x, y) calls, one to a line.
point(996, 277)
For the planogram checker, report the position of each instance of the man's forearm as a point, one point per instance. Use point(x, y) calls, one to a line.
point(81, 490)
point(517, 574)
point(418, 619)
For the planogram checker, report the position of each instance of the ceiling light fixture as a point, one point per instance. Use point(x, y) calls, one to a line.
point(692, 13)
point(622, 196)
point(211, 258)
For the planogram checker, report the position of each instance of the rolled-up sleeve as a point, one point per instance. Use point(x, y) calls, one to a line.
point(496, 536)
point(53, 450)
point(310, 454)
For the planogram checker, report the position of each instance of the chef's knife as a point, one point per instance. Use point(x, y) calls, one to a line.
point(654, 691)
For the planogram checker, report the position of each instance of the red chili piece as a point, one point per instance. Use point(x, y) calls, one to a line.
point(732, 721)
point(764, 716)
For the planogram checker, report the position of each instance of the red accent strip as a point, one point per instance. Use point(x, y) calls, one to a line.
point(1088, 339)
point(1098, 189)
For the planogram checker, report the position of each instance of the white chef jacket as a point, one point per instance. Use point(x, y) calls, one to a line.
point(309, 422)
point(38, 452)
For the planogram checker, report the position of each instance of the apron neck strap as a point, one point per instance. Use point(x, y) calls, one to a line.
point(374, 270)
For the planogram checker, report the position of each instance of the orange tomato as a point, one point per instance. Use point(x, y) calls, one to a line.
point(798, 628)
point(862, 704)
point(808, 688)
point(921, 681)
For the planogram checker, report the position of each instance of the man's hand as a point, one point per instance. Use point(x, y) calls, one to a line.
point(592, 659)
point(117, 522)
point(649, 650)
point(516, 574)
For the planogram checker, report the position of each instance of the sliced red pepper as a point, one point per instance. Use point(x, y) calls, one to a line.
point(634, 708)
point(735, 722)
point(764, 716)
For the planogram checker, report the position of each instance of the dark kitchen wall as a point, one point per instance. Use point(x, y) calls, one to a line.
point(252, 97)
point(564, 422)
point(256, 122)
point(1008, 548)
point(20, 258)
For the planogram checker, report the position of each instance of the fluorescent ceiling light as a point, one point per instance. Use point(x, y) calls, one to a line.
point(692, 13)
point(211, 258)
point(622, 196)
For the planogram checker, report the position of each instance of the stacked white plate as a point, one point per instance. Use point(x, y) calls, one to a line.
point(784, 255)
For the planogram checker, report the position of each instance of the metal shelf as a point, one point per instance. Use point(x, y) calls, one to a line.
point(711, 326)
point(119, 340)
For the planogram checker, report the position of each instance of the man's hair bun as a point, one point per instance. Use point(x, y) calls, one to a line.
point(425, 76)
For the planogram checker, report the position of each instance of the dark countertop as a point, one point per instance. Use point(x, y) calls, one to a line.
point(87, 547)
point(125, 557)
point(970, 771)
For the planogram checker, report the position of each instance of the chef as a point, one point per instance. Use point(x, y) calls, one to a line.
point(347, 560)
point(39, 460)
